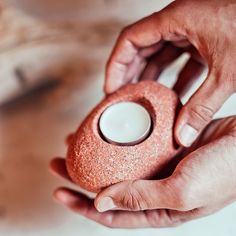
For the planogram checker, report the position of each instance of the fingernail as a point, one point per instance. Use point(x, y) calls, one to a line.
point(105, 204)
point(187, 135)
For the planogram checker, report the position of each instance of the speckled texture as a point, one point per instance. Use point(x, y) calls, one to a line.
point(94, 164)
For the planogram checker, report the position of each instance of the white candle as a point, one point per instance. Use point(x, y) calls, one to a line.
point(125, 123)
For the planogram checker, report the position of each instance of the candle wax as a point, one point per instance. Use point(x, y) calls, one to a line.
point(125, 123)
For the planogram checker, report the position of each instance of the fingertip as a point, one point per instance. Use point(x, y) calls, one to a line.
point(97, 200)
point(104, 200)
point(69, 139)
point(57, 167)
point(177, 127)
point(55, 160)
point(176, 136)
point(184, 134)
point(105, 204)
point(107, 90)
point(111, 86)
point(59, 195)
point(67, 197)
point(53, 164)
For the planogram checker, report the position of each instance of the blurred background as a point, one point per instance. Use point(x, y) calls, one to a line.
point(52, 58)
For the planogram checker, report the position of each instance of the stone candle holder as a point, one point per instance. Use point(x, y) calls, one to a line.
point(94, 164)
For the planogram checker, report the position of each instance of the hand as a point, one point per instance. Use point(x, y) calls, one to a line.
point(202, 183)
point(205, 29)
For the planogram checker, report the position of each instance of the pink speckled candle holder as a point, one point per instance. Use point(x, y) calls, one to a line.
point(94, 164)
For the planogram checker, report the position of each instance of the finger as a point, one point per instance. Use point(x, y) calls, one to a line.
point(140, 195)
point(135, 69)
point(144, 33)
point(85, 206)
point(160, 61)
point(79, 203)
point(214, 131)
point(177, 191)
point(57, 167)
point(191, 71)
point(201, 107)
point(150, 50)
point(201, 164)
point(194, 53)
point(179, 217)
point(69, 139)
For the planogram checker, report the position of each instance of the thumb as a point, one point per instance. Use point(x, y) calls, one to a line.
point(138, 195)
point(200, 109)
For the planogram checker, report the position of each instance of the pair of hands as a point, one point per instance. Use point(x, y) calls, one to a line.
point(204, 180)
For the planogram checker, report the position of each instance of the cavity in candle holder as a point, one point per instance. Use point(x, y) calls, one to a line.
point(125, 123)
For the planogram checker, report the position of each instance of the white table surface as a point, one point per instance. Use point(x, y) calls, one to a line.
point(32, 131)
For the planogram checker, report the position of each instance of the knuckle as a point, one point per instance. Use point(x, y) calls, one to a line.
point(226, 79)
point(201, 113)
point(154, 218)
point(162, 218)
point(133, 199)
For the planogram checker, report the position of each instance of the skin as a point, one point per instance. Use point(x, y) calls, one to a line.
point(202, 183)
point(205, 179)
point(205, 29)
